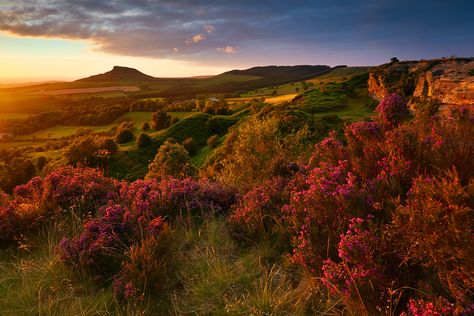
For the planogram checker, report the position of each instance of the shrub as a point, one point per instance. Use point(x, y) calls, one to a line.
point(259, 210)
point(79, 191)
point(434, 229)
point(124, 135)
point(171, 160)
point(16, 172)
point(160, 120)
point(129, 241)
point(145, 126)
point(383, 214)
point(392, 110)
point(85, 151)
point(174, 120)
point(143, 140)
point(438, 307)
point(148, 266)
point(256, 152)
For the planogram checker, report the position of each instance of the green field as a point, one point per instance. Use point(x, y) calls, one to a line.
point(55, 132)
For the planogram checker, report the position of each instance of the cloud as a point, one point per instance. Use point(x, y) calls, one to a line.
point(209, 29)
point(228, 49)
point(195, 39)
point(175, 49)
point(297, 31)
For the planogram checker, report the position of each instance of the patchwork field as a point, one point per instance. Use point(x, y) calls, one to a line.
point(90, 90)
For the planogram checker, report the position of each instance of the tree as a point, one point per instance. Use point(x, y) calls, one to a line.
point(124, 135)
point(143, 140)
point(160, 120)
point(171, 160)
point(145, 126)
point(394, 60)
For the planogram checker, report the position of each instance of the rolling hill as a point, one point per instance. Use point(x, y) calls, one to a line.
point(119, 74)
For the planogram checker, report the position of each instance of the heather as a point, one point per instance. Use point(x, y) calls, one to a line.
point(372, 218)
point(382, 214)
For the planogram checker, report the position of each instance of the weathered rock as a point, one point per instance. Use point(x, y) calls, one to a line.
point(450, 82)
point(447, 81)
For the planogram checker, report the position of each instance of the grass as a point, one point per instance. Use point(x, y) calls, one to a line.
point(214, 275)
point(33, 281)
point(336, 75)
point(55, 132)
point(349, 99)
point(280, 99)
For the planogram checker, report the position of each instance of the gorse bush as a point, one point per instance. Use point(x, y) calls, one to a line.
point(171, 159)
point(256, 152)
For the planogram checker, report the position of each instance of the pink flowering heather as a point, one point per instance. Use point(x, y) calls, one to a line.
point(357, 265)
point(131, 224)
point(259, 210)
point(67, 188)
point(392, 110)
point(438, 307)
point(329, 150)
point(8, 218)
point(320, 210)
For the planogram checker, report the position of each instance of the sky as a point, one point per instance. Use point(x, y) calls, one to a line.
point(70, 39)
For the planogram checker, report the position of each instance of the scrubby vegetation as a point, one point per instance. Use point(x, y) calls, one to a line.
point(323, 205)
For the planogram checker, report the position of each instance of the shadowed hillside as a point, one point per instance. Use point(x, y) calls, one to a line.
point(119, 74)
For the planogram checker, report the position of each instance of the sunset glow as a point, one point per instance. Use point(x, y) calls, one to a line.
point(65, 40)
point(24, 59)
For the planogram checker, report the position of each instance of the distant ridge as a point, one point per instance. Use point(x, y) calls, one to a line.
point(120, 74)
point(278, 71)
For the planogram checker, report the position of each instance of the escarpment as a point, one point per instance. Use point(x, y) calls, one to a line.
point(446, 81)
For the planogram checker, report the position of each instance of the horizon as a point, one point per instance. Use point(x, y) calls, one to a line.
point(62, 41)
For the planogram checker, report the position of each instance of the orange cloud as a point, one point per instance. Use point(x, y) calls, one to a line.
point(228, 49)
point(195, 39)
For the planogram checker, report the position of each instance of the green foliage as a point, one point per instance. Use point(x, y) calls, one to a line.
point(332, 97)
point(143, 140)
point(86, 150)
point(145, 126)
point(190, 126)
point(219, 124)
point(255, 152)
point(171, 160)
point(160, 120)
point(124, 135)
point(17, 172)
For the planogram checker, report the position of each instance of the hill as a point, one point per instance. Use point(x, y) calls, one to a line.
point(119, 74)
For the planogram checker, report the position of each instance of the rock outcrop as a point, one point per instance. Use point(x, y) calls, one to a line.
point(447, 81)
